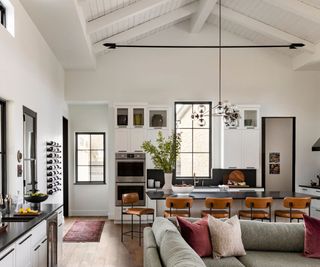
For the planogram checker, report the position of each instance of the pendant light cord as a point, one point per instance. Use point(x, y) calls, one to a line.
point(220, 50)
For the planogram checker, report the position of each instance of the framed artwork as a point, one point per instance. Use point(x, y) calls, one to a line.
point(274, 157)
point(274, 168)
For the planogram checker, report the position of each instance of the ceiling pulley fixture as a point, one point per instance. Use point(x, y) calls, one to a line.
point(229, 112)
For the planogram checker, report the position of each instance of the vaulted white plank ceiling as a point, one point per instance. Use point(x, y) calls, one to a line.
point(260, 21)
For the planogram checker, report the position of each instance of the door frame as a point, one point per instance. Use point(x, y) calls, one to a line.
point(65, 152)
point(263, 151)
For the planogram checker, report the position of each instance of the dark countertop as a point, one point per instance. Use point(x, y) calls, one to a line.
point(17, 229)
point(159, 195)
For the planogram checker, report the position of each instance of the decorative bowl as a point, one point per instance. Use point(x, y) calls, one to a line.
point(183, 189)
point(35, 199)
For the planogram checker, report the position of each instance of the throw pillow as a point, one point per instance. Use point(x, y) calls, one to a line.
point(311, 237)
point(196, 235)
point(226, 237)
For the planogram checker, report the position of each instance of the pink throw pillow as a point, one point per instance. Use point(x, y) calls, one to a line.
point(196, 235)
point(311, 237)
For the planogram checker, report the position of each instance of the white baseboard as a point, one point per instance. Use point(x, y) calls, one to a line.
point(89, 213)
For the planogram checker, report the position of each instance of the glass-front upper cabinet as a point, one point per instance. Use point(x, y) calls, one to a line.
point(130, 116)
point(29, 150)
point(250, 117)
point(158, 117)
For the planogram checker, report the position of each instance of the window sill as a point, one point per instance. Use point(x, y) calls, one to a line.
point(90, 183)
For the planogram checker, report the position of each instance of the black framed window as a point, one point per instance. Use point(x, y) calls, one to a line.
point(3, 155)
point(90, 158)
point(196, 140)
point(2, 14)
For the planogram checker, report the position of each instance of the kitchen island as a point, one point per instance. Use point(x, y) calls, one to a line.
point(158, 198)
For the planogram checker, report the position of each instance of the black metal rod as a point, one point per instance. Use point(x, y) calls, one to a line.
point(114, 46)
point(220, 52)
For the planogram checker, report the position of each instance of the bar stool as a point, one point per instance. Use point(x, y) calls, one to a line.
point(218, 207)
point(257, 206)
point(178, 206)
point(130, 199)
point(295, 206)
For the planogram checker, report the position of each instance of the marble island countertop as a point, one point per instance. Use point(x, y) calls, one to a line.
point(15, 230)
point(160, 195)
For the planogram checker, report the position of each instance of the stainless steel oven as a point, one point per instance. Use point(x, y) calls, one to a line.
point(130, 167)
point(124, 188)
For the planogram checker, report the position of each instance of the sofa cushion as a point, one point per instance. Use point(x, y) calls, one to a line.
point(223, 262)
point(175, 252)
point(160, 227)
point(311, 239)
point(148, 238)
point(226, 237)
point(151, 258)
point(285, 237)
point(196, 235)
point(278, 259)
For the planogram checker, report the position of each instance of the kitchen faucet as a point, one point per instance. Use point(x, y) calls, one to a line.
point(195, 180)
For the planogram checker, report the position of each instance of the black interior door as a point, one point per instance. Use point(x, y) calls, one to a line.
point(65, 167)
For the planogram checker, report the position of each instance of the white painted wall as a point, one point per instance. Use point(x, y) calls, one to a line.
point(30, 76)
point(279, 139)
point(87, 199)
point(263, 77)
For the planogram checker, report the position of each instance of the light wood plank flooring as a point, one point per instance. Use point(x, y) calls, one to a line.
point(109, 252)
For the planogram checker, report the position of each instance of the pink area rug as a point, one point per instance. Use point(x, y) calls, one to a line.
point(84, 231)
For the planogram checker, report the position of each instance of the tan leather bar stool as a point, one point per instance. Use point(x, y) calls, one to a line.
point(130, 199)
point(218, 207)
point(257, 206)
point(295, 207)
point(178, 206)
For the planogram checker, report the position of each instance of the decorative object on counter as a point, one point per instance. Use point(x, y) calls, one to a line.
point(53, 167)
point(274, 168)
point(274, 157)
point(35, 199)
point(150, 183)
point(27, 212)
point(236, 178)
point(157, 120)
point(164, 154)
point(182, 189)
point(157, 184)
point(223, 187)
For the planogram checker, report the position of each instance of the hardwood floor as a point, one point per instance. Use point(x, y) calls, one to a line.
point(109, 252)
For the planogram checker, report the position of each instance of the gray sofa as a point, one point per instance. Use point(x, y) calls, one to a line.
point(266, 244)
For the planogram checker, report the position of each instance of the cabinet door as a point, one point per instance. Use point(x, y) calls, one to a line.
point(60, 237)
point(122, 140)
point(43, 259)
point(138, 136)
point(23, 251)
point(232, 149)
point(7, 257)
point(251, 149)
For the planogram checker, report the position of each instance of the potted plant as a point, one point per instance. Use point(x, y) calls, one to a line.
point(164, 154)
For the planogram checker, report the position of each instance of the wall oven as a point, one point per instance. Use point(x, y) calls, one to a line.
point(130, 167)
point(124, 188)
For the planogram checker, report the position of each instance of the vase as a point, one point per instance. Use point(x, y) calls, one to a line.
point(167, 181)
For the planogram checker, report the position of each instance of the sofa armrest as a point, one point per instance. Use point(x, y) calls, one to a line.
point(151, 256)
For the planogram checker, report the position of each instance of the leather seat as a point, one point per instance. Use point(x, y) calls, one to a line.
point(295, 208)
point(295, 214)
point(215, 213)
point(179, 206)
point(256, 214)
point(257, 208)
point(175, 213)
point(139, 211)
point(218, 207)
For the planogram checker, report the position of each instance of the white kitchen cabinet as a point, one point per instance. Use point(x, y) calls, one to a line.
point(60, 234)
point(39, 254)
point(233, 149)
point(137, 137)
point(249, 117)
point(8, 257)
point(23, 251)
point(122, 140)
point(250, 149)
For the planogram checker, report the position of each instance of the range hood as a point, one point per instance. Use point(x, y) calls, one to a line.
point(316, 146)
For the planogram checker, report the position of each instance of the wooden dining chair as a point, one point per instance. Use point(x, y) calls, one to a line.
point(295, 208)
point(218, 207)
point(257, 208)
point(129, 200)
point(178, 206)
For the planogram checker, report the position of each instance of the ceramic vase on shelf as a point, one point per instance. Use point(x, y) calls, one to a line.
point(167, 181)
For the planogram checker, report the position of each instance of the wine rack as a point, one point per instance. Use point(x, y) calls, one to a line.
point(54, 169)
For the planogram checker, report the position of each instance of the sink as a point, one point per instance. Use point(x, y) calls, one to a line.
point(17, 219)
